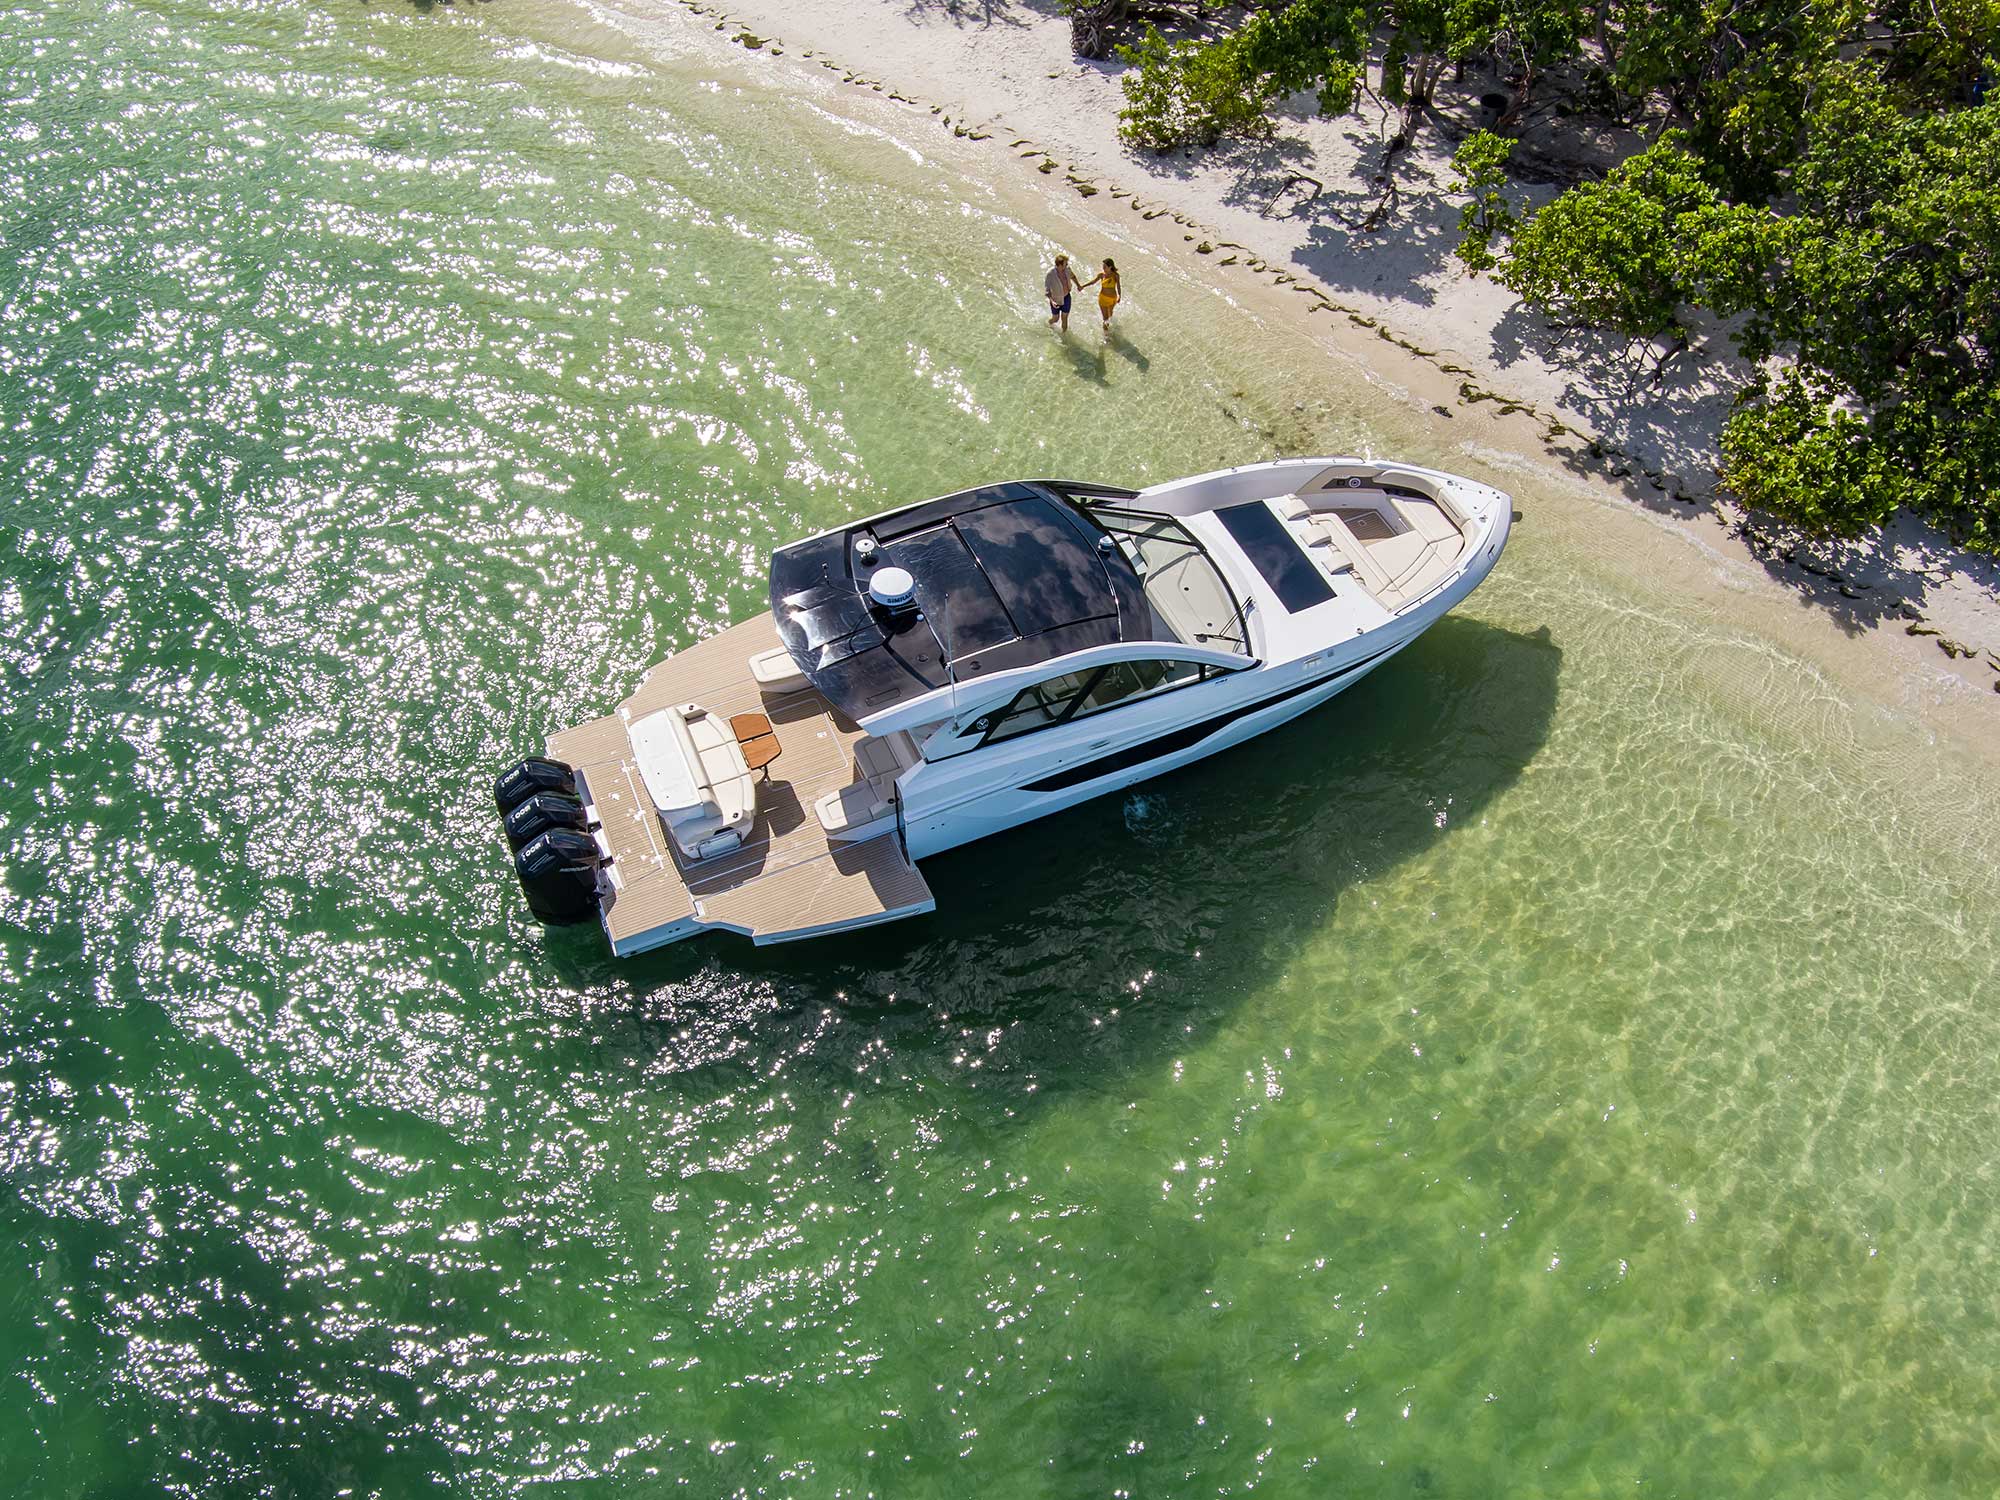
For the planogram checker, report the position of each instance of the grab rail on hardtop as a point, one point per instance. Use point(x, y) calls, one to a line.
point(1071, 489)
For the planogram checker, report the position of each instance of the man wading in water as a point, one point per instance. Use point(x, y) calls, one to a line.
point(1060, 284)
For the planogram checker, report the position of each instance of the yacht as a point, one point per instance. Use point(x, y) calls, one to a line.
point(952, 668)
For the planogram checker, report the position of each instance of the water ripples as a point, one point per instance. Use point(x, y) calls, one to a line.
point(384, 388)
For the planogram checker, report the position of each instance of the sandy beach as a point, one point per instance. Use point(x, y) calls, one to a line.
point(998, 81)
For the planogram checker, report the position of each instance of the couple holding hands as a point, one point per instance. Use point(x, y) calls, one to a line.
point(1062, 282)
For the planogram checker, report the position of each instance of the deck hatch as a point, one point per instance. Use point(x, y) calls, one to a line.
point(1274, 554)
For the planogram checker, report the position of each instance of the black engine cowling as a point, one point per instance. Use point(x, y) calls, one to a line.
point(541, 812)
point(558, 871)
point(525, 778)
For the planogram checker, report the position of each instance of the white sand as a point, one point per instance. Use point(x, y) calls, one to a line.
point(1002, 69)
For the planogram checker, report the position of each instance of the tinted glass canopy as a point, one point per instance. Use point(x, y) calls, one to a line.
point(1273, 552)
point(1006, 576)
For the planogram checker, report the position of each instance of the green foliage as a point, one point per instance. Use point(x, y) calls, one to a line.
point(1194, 93)
point(1738, 77)
point(1631, 251)
point(1184, 93)
point(1942, 48)
point(1892, 257)
point(1528, 34)
point(1481, 164)
point(1799, 456)
point(1884, 287)
point(1877, 290)
point(1831, 185)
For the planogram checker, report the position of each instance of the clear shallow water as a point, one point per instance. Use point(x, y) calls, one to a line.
point(1564, 1065)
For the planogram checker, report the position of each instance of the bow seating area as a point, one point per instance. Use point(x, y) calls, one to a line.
point(1396, 543)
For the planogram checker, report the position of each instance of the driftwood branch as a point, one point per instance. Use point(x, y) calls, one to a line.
point(1297, 179)
point(1091, 23)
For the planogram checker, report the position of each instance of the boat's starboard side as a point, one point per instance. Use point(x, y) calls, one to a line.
point(1304, 627)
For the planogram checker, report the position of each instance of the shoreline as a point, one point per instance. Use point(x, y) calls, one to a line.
point(1910, 621)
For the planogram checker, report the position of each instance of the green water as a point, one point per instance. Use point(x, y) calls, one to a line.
point(1565, 1065)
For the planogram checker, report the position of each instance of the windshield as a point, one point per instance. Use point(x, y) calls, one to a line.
point(1189, 596)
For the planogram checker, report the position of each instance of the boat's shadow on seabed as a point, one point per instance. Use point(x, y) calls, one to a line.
point(1198, 884)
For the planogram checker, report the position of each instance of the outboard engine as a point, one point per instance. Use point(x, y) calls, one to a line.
point(541, 812)
point(558, 871)
point(535, 774)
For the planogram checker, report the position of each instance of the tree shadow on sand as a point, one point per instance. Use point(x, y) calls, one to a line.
point(1860, 584)
point(1386, 228)
point(981, 13)
point(1669, 409)
point(1673, 412)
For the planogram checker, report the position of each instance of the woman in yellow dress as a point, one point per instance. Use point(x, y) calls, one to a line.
point(1106, 282)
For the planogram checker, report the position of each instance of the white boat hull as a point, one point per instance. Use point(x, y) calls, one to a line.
point(996, 811)
point(1253, 596)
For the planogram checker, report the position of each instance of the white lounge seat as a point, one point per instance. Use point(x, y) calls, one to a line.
point(776, 672)
point(1399, 555)
point(853, 809)
point(1430, 518)
point(695, 773)
point(1422, 544)
point(1328, 530)
point(865, 807)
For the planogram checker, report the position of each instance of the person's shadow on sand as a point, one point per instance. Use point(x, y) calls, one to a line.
point(1128, 350)
point(1087, 363)
point(1089, 360)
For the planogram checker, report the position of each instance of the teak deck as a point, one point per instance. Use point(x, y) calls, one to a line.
point(789, 880)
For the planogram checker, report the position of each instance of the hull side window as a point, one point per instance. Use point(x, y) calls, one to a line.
point(1077, 695)
point(1040, 705)
point(1123, 681)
